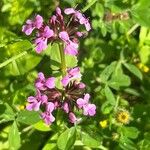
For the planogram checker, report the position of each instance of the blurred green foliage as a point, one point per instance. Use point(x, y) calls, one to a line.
point(114, 59)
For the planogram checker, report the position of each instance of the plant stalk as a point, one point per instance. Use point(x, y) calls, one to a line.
point(63, 61)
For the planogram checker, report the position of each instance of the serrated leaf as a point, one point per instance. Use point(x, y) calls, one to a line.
point(14, 137)
point(67, 139)
point(133, 69)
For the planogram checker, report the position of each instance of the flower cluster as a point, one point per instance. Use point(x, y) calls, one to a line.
point(71, 97)
point(58, 29)
point(49, 98)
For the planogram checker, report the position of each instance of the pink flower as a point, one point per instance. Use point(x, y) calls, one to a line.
point(64, 36)
point(41, 41)
point(42, 83)
point(73, 73)
point(66, 107)
point(72, 117)
point(89, 110)
point(47, 115)
point(32, 24)
point(65, 80)
point(71, 48)
point(35, 102)
point(69, 11)
point(79, 17)
point(83, 101)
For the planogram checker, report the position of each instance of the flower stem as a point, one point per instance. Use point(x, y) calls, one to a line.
point(63, 61)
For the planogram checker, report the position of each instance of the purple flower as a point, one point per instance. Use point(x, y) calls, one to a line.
point(71, 47)
point(47, 115)
point(72, 117)
point(32, 24)
point(89, 110)
point(79, 17)
point(66, 107)
point(42, 83)
point(69, 11)
point(64, 36)
point(73, 73)
point(35, 102)
point(43, 36)
point(83, 101)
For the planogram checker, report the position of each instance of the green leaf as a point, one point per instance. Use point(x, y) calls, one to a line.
point(7, 113)
point(106, 73)
point(119, 79)
point(130, 132)
point(133, 69)
point(51, 144)
point(14, 137)
point(106, 107)
point(41, 126)
point(20, 60)
point(145, 54)
point(90, 141)
point(109, 95)
point(142, 8)
point(55, 59)
point(89, 5)
point(28, 117)
point(67, 139)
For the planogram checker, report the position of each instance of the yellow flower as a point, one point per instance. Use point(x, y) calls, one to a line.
point(123, 116)
point(20, 107)
point(143, 67)
point(103, 123)
point(140, 65)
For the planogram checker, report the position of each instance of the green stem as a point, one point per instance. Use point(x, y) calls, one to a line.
point(63, 61)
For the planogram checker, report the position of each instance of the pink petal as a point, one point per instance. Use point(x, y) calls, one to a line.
point(71, 48)
point(41, 45)
point(65, 81)
point(72, 117)
point(69, 11)
point(64, 36)
point(81, 102)
point(87, 26)
point(50, 107)
point(44, 99)
point(38, 21)
point(58, 11)
point(31, 99)
point(50, 82)
point(48, 32)
point(66, 107)
point(86, 97)
point(27, 29)
point(39, 85)
point(41, 76)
